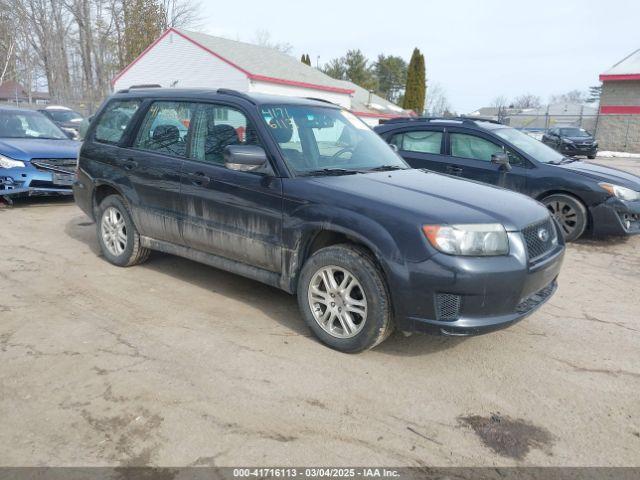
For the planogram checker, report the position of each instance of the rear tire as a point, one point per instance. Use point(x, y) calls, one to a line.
point(118, 237)
point(352, 314)
point(570, 213)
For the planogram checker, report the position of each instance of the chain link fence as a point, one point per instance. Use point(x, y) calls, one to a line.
point(613, 132)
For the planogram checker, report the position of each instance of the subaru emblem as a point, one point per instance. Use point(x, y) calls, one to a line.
point(543, 234)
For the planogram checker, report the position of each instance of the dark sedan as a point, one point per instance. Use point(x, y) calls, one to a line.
point(582, 196)
point(571, 141)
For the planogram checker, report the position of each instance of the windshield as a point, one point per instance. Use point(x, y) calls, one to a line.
point(64, 116)
point(574, 132)
point(535, 148)
point(22, 124)
point(318, 139)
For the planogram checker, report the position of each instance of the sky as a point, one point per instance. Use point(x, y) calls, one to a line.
point(475, 50)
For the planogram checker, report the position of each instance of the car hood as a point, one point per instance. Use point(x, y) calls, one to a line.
point(438, 198)
point(603, 174)
point(27, 148)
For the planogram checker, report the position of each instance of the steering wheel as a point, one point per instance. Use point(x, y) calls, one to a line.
point(343, 150)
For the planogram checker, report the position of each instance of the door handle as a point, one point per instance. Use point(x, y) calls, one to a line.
point(199, 179)
point(454, 170)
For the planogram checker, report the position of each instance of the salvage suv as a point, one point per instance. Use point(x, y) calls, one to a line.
point(302, 195)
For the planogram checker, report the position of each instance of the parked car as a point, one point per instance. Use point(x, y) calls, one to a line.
point(571, 141)
point(581, 196)
point(36, 157)
point(302, 195)
point(68, 120)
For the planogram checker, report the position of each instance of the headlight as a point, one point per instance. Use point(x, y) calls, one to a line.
point(566, 140)
point(6, 162)
point(623, 193)
point(484, 239)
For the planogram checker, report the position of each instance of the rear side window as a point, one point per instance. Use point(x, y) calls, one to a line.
point(470, 146)
point(114, 120)
point(419, 142)
point(165, 127)
point(215, 127)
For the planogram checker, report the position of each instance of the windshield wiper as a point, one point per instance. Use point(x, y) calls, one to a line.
point(564, 160)
point(384, 168)
point(328, 171)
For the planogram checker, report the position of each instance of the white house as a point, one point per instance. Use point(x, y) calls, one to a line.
point(185, 59)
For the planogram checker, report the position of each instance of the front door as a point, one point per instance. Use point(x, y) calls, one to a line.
point(237, 215)
point(470, 157)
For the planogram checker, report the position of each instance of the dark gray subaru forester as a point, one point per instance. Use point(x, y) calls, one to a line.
point(301, 195)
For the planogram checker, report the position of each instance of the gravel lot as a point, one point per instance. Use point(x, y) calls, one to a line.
point(175, 363)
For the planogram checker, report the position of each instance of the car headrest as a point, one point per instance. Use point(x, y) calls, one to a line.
point(166, 133)
point(223, 132)
point(13, 126)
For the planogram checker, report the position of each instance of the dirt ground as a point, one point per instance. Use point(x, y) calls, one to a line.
point(175, 363)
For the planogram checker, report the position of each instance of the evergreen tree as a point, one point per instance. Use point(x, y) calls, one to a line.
point(391, 72)
point(416, 88)
point(143, 23)
point(306, 59)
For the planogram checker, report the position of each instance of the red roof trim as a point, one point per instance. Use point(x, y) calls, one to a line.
point(615, 78)
point(293, 83)
point(620, 109)
point(252, 76)
point(380, 115)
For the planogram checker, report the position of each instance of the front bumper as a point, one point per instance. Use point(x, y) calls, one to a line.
point(615, 217)
point(587, 150)
point(28, 180)
point(449, 295)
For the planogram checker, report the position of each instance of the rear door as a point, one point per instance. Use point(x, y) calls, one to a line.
point(470, 154)
point(422, 148)
point(153, 163)
point(234, 214)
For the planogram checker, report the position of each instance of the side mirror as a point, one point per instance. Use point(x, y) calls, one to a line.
point(502, 160)
point(394, 147)
point(244, 158)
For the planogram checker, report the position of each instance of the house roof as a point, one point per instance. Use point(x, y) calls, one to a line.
point(626, 69)
point(258, 63)
point(365, 103)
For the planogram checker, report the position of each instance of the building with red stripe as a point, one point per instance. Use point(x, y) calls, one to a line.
point(185, 59)
point(619, 121)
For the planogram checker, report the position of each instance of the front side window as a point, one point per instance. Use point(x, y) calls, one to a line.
point(470, 146)
point(215, 127)
point(314, 140)
point(165, 127)
point(21, 124)
point(536, 149)
point(114, 120)
point(419, 142)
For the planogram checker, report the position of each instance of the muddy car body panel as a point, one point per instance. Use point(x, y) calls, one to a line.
point(264, 225)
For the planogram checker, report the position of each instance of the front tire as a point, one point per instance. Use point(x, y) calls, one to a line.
point(591, 157)
point(118, 237)
point(570, 213)
point(344, 300)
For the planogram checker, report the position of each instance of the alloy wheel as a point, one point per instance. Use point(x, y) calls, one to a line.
point(337, 301)
point(114, 231)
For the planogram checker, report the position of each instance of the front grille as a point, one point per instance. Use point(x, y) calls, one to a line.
point(62, 165)
point(447, 306)
point(540, 238)
point(536, 299)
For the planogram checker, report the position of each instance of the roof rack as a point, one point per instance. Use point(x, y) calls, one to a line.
point(143, 85)
point(462, 119)
point(321, 100)
point(235, 93)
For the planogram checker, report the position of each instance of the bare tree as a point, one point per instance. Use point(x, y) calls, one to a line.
point(437, 103)
point(527, 100)
point(181, 13)
point(573, 96)
point(500, 102)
